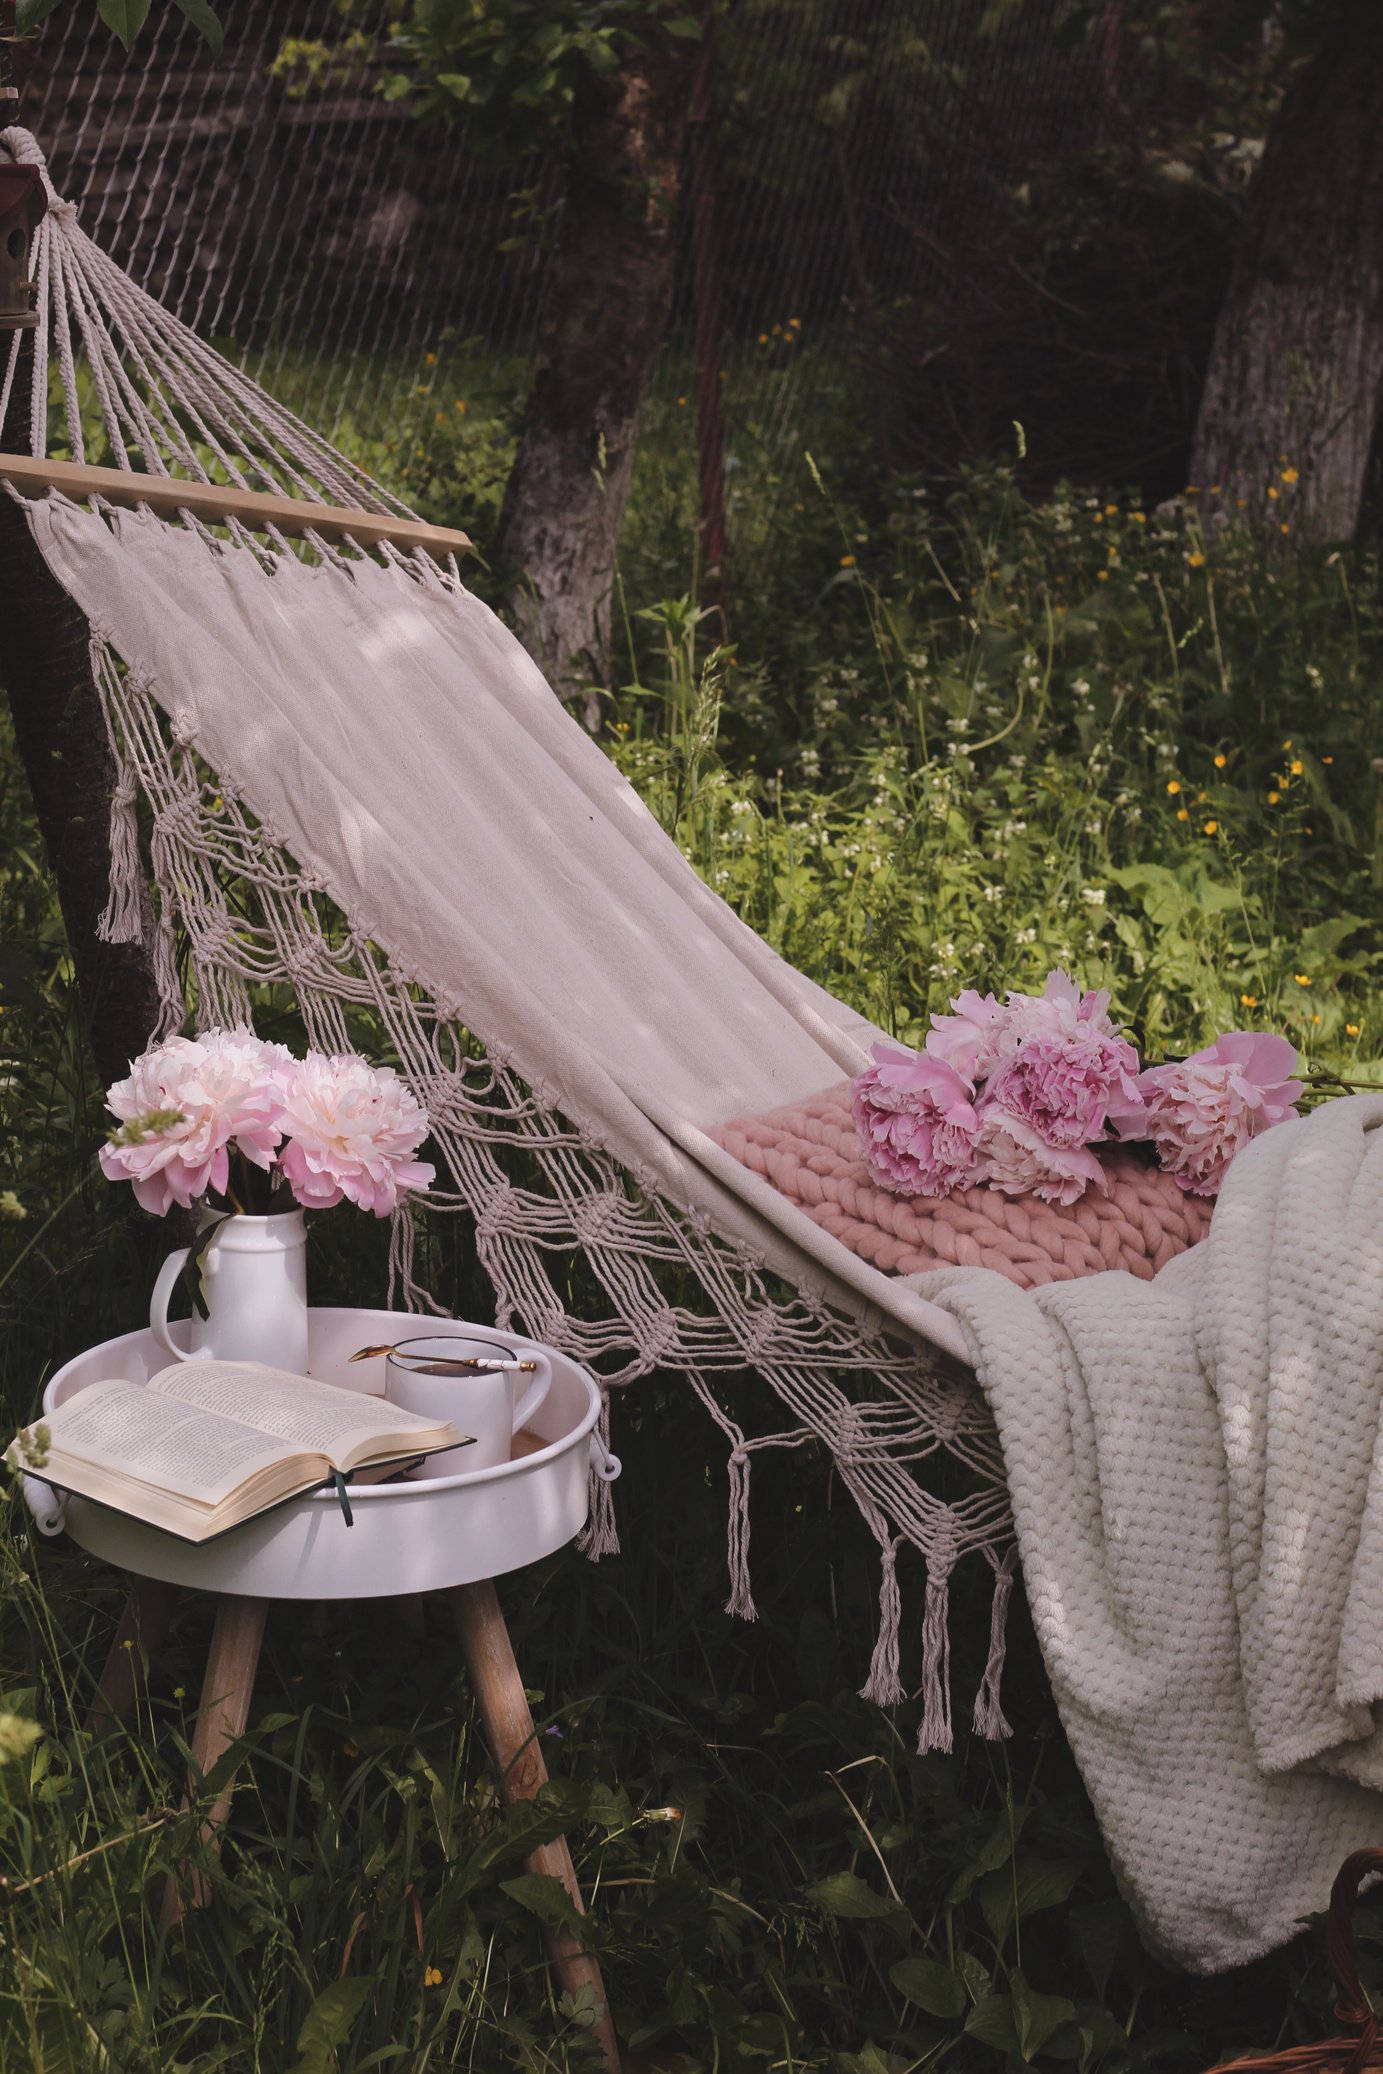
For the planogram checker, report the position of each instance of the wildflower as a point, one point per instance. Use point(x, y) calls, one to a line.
point(1327, 759)
point(1351, 1029)
point(682, 404)
point(432, 1978)
point(763, 338)
point(1315, 1018)
point(1098, 519)
point(12, 1211)
point(1102, 575)
point(17, 1737)
point(1183, 813)
point(431, 359)
point(1273, 798)
point(1303, 979)
point(1289, 475)
point(1197, 560)
point(1139, 518)
point(1191, 490)
point(794, 323)
point(1271, 491)
point(1174, 785)
point(1221, 760)
point(1248, 1000)
point(1211, 827)
point(441, 418)
point(1298, 767)
point(1110, 510)
point(847, 561)
point(460, 405)
point(1284, 527)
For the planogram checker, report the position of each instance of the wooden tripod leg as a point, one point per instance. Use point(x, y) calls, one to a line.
point(509, 1731)
point(223, 1712)
point(138, 1639)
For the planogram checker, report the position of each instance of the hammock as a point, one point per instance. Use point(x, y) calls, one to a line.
point(360, 785)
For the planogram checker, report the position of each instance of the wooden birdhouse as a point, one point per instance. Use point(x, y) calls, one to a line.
point(23, 207)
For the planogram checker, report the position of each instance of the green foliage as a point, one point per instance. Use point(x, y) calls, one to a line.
point(125, 18)
point(942, 725)
point(519, 70)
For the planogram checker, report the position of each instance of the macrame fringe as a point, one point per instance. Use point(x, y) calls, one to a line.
point(989, 1718)
point(935, 1732)
point(121, 917)
point(741, 1599)
point(884, 1685)
point(600, 1535)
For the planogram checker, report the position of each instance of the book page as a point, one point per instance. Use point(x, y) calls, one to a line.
point(125, 1427)
point(294, 1408)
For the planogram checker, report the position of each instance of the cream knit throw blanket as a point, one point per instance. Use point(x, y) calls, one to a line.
point(1196, 1468)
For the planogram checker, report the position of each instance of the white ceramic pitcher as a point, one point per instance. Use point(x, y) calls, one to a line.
point(254, 1275)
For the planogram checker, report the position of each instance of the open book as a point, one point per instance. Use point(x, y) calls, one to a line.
point(204, 1445)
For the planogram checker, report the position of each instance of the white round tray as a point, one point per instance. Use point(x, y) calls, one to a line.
point(407, 1537)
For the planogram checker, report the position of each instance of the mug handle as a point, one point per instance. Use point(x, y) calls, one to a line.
point(158, 1308)
point(537, 1390)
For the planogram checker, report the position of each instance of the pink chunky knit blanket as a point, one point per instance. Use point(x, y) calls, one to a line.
point(810, 1151)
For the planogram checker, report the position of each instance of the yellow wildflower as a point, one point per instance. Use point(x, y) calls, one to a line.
point(1174, 785)
point(1289, 475)
point(681, 403)
point(1097, 519)
point(1315, 1018)
point(1271, 491)
point(1351, 1029)
point(1284, 527)
point(1102, 575)
point(1110, 510)
point(431, 359)
point(1248, 1000)
point(1139, 518)
point(1221, 760)
point(1183, 813)
point(1191, 490)
point(1297, 767)
point(1303, 979)
point(847, 561)
point(1211, 827)
point(763, 338)
point(794, 323)
point(1197, 560)
point(460, 405)
point(1273, 798)
point(1327, 759)
point(432, 1978)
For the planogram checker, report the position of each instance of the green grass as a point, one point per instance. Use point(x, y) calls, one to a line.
point(952, 744)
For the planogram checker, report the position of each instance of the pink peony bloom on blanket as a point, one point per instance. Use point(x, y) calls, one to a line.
point(186, 1105)
point(1015, 1159)
point(916, 1122)
point(970, 1041)
point(1199, 1112)
point(351, 1130)
point(1061, 1084)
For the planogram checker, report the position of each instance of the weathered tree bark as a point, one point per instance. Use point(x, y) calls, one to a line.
point(604, 318)
point(1297, 360)
point(61, 735)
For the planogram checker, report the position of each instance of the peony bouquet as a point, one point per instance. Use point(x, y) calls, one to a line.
point(242, 1126)
point(1021, 1093)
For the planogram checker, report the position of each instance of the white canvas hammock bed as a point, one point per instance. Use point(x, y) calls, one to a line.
point(360, 785)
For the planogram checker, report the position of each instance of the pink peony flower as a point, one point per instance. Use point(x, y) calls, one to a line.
point(970, 1041)
point(1199, 1112)
point(1014, 1158)
point(916, 1122)
point(186, 1104)
point(1061, 1084)
point(352, 1130)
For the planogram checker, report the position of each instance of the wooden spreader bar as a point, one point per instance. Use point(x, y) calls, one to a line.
point(218, 503)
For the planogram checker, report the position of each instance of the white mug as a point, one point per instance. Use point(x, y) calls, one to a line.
point(425, 1375)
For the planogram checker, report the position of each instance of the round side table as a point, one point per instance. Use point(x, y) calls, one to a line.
point(452, 1534)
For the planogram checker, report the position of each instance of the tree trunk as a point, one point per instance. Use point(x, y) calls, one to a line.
point(61, 736)
point(1297, 360)
point(604, 318)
